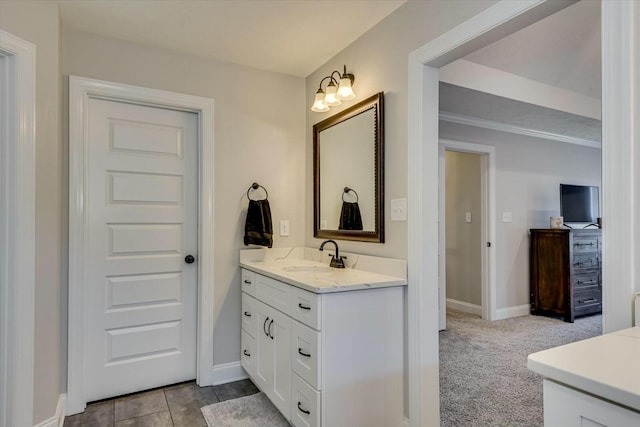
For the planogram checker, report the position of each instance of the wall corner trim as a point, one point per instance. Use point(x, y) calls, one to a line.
point(228, 372)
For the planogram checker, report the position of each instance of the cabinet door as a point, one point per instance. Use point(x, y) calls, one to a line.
point(264, 348)
point(280, 331)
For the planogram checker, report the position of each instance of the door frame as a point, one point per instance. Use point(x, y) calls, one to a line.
point(488, 262)
point(619, 160)
point(81, 90)
point(17, 229)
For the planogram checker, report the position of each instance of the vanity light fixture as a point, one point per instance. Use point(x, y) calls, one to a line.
point(337, 90)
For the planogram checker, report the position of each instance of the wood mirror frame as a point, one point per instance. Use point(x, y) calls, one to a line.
point(373, 104)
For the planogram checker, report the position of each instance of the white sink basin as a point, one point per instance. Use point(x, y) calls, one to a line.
point(308, 269)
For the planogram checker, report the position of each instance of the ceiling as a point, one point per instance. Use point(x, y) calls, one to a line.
point(293, 37)
point(562, 50)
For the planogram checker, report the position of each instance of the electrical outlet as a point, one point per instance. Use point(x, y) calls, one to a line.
point(507, 217)
point(284, 227)
point(467, 217)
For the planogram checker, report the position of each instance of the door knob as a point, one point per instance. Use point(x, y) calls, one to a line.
point(189, 259)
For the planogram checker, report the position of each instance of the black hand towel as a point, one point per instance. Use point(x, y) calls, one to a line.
point(350, 218)
point(258, 229)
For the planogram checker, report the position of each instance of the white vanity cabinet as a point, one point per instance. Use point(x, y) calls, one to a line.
point(325, 359)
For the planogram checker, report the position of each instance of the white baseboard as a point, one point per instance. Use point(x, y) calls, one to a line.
point(58, 419)
point(464, 307)
point(228, 372)
point(515, 311)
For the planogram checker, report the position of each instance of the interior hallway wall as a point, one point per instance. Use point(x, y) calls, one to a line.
point(463, 193)
point(258, 136)
point(528, 174)
point(38, 23)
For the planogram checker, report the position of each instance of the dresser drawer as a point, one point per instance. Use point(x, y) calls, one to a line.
point(587, 301)
point(247, 352)
point(586, 280)
point(249, 316)
point(582, 244)
point(585, 261)
point(305, 353)
point(248, 281)
point(273, 293)
point(305, 404)
point(306, 307)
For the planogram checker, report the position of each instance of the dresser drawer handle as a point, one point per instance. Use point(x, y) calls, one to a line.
point(248, 282)
point(580, 282)
point(246, 313)
point(301, 353)
point(587, 301)
point(246, 354)
point(584, 244)
point(304, 307)
point(304, 411)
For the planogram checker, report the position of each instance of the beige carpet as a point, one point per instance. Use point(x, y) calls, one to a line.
point(249, 411)
point(484, 380)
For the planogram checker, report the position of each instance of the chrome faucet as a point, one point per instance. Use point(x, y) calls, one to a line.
point(337, 261)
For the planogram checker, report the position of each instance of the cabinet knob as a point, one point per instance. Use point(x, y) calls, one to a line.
point(189, 259)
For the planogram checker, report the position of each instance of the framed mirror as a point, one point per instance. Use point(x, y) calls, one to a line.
point(348, 173)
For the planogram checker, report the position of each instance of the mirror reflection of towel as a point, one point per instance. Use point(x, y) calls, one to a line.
point(258, 229)
point(350, 218)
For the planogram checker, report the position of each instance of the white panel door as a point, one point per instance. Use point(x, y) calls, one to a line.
point(142, 221)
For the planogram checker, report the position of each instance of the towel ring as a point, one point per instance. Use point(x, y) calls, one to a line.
point(255, 186)
point(347, 190)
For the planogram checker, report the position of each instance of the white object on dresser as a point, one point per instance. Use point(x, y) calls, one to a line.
point(325, 359)
point(594, 382)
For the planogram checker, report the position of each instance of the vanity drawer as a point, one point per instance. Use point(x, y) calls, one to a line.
point(305, 404)
point(273, 293)
point(306, 307)
point(305, 353)
point(247, 352)
point(248, 282)
point(587, 301)
point(249, 316)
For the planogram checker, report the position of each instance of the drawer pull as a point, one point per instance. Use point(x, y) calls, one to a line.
point(301, 409)
point(304, 307)
point(580, 282)
point(248, 282)
point(246, 353)
point(269, 334)
point(264, 327)
point(246, 313)
point(587, 301)
point(584, 244)
point(301, 353)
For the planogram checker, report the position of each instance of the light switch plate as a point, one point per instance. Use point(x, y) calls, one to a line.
point(507, 217)
point(467, 217)
point(398, 209)
point(284, 227)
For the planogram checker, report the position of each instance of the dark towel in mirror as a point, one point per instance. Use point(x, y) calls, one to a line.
point(350, 218)
point(258, 229)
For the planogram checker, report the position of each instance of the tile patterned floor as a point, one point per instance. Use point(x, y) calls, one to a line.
point(177, 405)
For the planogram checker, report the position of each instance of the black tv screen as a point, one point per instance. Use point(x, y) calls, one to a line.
point(579, 203)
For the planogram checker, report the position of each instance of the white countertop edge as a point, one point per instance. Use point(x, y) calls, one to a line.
point(552, 365)
point(329, 289)
point(585, 385)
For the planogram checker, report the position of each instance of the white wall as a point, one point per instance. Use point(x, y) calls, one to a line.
point(258, 136)
point(528, 174)
point(379, 62)
point(37, 22)
point(463, 193)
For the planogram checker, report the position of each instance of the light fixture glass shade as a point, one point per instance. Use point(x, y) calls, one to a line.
point(318, 104)
point(344, 90)
point(330, 98)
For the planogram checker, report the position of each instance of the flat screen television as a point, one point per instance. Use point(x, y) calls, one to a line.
point(579, 203)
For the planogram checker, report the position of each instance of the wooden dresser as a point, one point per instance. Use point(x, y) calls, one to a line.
point(565, 272)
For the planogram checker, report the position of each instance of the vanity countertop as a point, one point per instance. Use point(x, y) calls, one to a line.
point(318, 277)
point(607, 366)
